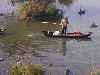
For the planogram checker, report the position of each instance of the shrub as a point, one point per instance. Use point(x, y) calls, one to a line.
point(52, 13)
point(22, 69)
point(51, 10)
point(39, 11)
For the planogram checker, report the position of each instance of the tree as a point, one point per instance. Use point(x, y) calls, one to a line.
point(35, 7)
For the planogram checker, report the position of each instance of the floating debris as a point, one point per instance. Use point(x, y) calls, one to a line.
point(44, 22)
point(29, 35)
point(54, 23)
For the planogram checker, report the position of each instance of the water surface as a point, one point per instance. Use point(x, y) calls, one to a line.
point(77, 55)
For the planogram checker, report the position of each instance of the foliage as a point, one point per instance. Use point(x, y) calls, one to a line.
point(32, 8)
point(42, 9)
point(53, 13)
point(23, 10)
point(22, 69)
point(51, 10)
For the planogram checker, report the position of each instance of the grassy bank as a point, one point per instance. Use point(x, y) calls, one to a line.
point(22, 69)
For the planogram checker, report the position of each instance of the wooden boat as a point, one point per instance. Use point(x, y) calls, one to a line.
point(69, 35)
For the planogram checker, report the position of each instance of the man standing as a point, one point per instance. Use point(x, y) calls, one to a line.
point(64, 24)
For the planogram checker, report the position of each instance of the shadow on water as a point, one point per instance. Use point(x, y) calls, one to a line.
point(66, 41)
point(64, 46)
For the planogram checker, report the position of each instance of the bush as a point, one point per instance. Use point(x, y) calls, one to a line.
point(51, 10)
point(19, 69)
point(39, 11)
point(52, 13)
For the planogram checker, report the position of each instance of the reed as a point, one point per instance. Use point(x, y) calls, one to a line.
point(22, 69)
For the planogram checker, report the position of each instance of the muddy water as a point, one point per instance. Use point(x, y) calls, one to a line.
point(78, 55)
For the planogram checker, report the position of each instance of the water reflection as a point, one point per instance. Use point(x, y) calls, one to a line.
point(65, 42)
point(64, 47)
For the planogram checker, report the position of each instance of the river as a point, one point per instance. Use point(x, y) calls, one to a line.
point(78, 55)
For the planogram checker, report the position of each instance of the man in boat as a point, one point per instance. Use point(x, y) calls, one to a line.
point(64, 24)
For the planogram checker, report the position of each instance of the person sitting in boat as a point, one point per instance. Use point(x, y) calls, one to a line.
point(64, 24)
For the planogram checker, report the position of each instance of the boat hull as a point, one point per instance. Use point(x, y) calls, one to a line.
point(69, 35)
